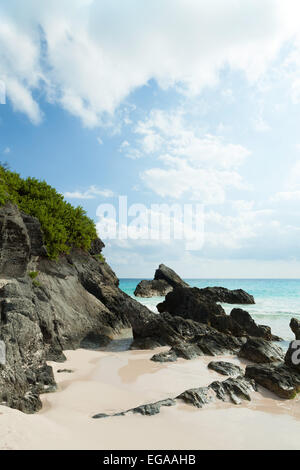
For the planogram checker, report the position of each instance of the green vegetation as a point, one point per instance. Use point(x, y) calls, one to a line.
point(100, 258)
point(33, 274)
point(63, 225)
point(36, 283)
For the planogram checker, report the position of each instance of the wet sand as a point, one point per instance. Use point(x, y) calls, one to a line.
point(113, 381)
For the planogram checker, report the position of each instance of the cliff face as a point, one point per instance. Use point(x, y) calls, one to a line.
point(48, 306)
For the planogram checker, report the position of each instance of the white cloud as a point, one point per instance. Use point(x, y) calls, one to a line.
point(7, 150)
point(89, 56)
point(198, 165)
point(90, 193)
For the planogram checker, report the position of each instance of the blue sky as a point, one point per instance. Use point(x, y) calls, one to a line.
point(181, 101)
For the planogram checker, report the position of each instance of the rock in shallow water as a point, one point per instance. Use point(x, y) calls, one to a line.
point(165, 279)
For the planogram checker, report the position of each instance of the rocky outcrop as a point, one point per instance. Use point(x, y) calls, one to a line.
point(48, 306)
point(191, 304)
point(249, 327)
point(187, 302)
point(295, 327)
point(165, 279)
point(225, 368)
point(145, 410)
point(232, 390)
point(180, 333)
point(227, 296)
point(155, 288)
point(278, 378)
point(292, 357)
point(281, 378)
point(261, 351)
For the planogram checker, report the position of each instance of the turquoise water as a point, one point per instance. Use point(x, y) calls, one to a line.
point(277, 300)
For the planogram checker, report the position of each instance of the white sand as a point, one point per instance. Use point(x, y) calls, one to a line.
point(108, 382)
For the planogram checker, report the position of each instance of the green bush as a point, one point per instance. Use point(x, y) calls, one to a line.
point(100, 258)
point(63, 225)
point(33, 274)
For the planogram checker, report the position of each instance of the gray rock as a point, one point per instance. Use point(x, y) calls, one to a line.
point(197, 396)
point(231, 390)
point(74, 300)
point(278, 378)
point(261, 351)
point(234, 390)
point(168, 356)
point(165, 279)
point(155, 288)
point(295, 327)
point(187, 302)
point(149, 409)
point(249, 327)
point(224, 295)
point(168, 275)
point(226, 368)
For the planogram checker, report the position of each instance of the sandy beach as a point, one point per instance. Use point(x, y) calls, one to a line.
point(113, 381)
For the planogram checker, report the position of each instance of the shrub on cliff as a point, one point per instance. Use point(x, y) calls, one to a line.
point(63, 225)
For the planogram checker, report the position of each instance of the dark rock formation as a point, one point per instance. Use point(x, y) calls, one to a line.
point(197, 396)
point(244, 320)
point(156, 288)
point(292, 357)
point(168, 356)
point(261, 351)
point(184, 350)
point(225, 368)
point(227, 296)
point(278, 378)
point(230, 390)
point(165, 279)
point(191, 304)
point(180, 333)
point(187, 302)
point(67, 301)
point(149, 409)
point(295, 327)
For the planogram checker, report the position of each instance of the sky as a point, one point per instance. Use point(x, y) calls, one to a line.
point(170, 102)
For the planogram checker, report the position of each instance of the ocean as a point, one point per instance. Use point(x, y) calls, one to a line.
point(277, 300)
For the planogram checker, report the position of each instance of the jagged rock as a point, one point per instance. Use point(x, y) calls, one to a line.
point(234, 390)
point(224, 295)
point(231, 390)
point(261, 351)
point(165, 329)
point(187, 302)
point(168, 275)
point(168, 356)
point(149, 409)
point(197, 396)
point(165, 279)
point(292, 357)
point(154, 288)
point(249, 327)
point(190, 303)
point(278, 378)
point(184, 350)
point(71, 299)
point(225, 368)
point(295, 327)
